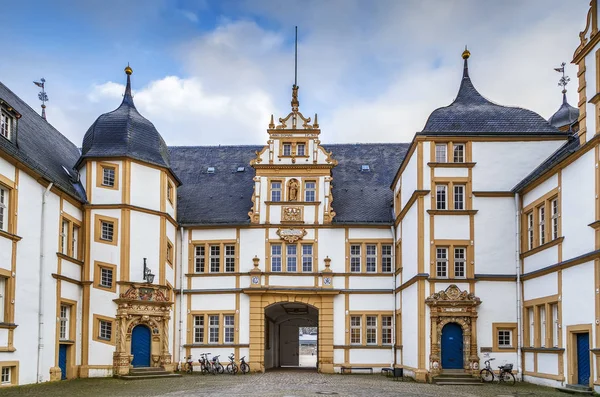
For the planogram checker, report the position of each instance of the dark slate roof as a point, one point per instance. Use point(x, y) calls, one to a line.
point(565, 115)
point(41, 147)
point(471, 113)
point(225, 197)
point(125, 133)
point(571, 146)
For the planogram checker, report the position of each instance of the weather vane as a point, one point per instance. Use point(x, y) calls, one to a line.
point(42, 95)
point(564, 80)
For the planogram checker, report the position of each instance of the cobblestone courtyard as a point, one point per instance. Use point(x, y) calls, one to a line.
point(272, 384)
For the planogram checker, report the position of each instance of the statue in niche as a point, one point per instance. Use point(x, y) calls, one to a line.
point(293, 186)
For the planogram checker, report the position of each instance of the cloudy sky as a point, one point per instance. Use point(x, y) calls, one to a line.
point(212, 72)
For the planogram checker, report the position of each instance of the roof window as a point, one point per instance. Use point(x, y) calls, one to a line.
point(210, 170)
point(365, 168)
point(241, 169)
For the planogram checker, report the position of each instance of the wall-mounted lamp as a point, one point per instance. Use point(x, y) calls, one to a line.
point(148, 276)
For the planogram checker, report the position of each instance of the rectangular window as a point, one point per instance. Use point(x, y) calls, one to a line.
point(441, 197)
point(106, 230)
point(108, 176)
point(105, 330)
point(170, 190)
point(441, 262)
point(106, 277)
point(5, 379)
point(213, 329)
point(459, 262)
point(5, 125)
point(355, 258)
point(300, 149)
point(65, 312)
point(75, 242)
point(228, 330)
point(542, 220)
point(199, 329)
point(386, 330)
point(530, 233)
point(555, 324)
point(531, 326)
point(287, 149)
point(230, 258)
point(371, 258)
point(459, 153)
point(386, 258)
point(309, 191)
point(307, 258)
point(276, 257)
point(355, 330)
point(275, 191)
point(459, 197)
point(554, 206)
point(64, 237)
point(3, 209)
point(199, 259)
point(2, 298)
point(440, 153)
point(292, 258)
point(504, 338)
point(371, 330)
point(169, 252)
point(542, 311)
point(215, 258)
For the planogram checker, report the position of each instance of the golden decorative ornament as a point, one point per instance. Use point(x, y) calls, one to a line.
point(128, 70)
point(466, 54)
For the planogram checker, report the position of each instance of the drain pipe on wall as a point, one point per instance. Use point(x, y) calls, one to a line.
point(41, 287)
point(519, 298)
point(394, 295)
point(180, 294)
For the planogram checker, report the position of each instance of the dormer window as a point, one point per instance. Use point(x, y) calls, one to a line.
point(365, 168)
point(210, 170)
point(6, 122)
point(287, 149)
point(300, 149)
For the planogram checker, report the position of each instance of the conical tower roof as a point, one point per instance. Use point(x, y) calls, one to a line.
point(566, 115)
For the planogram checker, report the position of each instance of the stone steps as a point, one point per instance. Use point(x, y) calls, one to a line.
point(576, 389)
point(148, 373)
point(456, 378)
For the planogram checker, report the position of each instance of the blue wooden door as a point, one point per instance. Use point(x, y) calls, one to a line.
point(62, 360)
point(452, 346)
point(140, 346)
point(583, 359)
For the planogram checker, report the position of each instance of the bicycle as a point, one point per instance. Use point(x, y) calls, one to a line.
point(245, 368)
point(217, 366)
point(189, 365)
point(205, 365)
point(506, 375)
point(232, 367)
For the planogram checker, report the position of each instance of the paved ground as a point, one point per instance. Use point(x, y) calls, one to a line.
point(289, 383)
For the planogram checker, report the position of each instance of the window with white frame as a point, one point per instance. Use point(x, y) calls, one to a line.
point(355, 330)
point(276, 257)
point(230, 258)
point(3, 282)
point(542, 222)
point(459, 153)
point(554, 207)
point(459, 197)
point(300, 149)
point(555, 324)
point(530, 231)
point(531, 326)
point(199, 259)
point(386, 258)
point(542, 313)
point(5, 125)
point(75, 242)
point(65, 313)
point(307, 258)
point(105, 330)
point(287, 149)
point(228, 328)
point(5, 378)
point(459, 262)
point(108, 176)
point(292, 259)
point(64, 236)
point(3, 209)
point(371, 330)
point(107, 230)
point(504, 338)
point(440, 153)
point(371, 258)
point(355, 258)
point(213, 329)
point(276, 191)
point(106, 277)
point(441, 197)
point(386, 330)
point(309, 191)
point(199, 329)
point(215, 258)
point(441, 262)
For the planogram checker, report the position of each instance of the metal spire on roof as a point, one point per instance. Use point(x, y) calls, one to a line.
point(295, 102)
point(465, 55)
point(563, 81)
point(127, 97)
point(42, 95)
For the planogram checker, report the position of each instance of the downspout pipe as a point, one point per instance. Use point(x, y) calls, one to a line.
point(39, 376)
point(393, 361)
point(519, 298)
point(180, 258)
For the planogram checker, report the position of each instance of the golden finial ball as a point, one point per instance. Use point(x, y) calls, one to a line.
point(128, 70)
point(466, 54)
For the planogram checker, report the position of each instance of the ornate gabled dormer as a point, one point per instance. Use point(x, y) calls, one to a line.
point(293, 173)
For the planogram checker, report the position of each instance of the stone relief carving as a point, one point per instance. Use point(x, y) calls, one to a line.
point(292, 214)
point(291, 235)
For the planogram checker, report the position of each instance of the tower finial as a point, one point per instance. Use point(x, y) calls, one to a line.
point(127, 97)
point(295, 102)
point(465, 55)
point(42, 95)
point(563, 81)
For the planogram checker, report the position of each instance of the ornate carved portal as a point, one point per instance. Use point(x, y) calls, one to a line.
point(454, 306)
point(149, 305)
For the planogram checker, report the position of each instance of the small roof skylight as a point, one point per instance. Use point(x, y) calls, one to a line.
point(210, 170)
point(241, 169)
point(365, 168)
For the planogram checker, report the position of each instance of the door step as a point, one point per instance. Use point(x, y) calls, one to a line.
point(576, 389)
point(148, 373)
point(457, 377)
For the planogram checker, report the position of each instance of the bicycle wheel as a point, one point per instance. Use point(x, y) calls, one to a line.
point(204, 369)
point(244, 368)
point(508, 378)
point(486, 375)
point(190, 368)
point(231, 368)
point(220, 368)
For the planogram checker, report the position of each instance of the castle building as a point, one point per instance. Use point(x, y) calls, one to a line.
point(480, 238)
